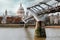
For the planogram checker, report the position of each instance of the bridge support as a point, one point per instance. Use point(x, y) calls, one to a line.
point(25, 25)
point(40, 30)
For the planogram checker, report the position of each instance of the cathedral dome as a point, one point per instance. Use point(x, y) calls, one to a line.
point(20, 10)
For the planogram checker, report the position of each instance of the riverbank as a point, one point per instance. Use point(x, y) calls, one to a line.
point(52, 26)
point(22, 25)
point(16, 25)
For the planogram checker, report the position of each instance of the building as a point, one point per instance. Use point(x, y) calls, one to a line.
point(20, 11)
point(13, 19)
point(53, 19)
point(4, 17)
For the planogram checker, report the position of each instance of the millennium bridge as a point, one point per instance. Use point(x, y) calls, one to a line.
point(40, 12)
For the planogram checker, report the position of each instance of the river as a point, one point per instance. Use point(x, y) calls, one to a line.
point(27, 34)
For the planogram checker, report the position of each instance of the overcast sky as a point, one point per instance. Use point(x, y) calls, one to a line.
point(13, 5)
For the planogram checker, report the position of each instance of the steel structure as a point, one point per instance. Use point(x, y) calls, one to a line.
point(45, 9)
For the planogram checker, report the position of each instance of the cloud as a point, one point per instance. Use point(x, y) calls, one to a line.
point(13, 5)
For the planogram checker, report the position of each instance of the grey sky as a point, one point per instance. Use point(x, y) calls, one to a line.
point(13, 5)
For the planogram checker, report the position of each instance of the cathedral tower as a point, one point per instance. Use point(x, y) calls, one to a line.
point(4, 17)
